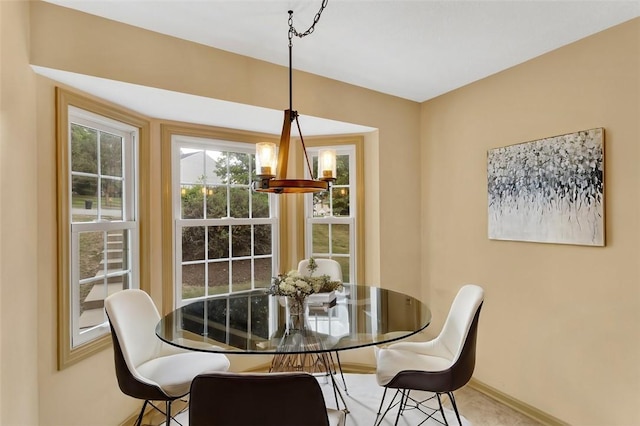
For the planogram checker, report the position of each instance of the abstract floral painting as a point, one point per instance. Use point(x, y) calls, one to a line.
point(549, 190)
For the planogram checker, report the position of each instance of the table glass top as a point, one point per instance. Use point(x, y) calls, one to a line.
point(256, 322)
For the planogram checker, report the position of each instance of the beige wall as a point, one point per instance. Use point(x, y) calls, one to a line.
point(560, 326)
point(18, 221)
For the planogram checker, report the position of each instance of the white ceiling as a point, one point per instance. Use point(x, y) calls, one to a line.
point(414, 49)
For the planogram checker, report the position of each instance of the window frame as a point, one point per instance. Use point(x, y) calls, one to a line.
point(179, 142)
point(170, 298)
point(356, 202)
point(68, 104)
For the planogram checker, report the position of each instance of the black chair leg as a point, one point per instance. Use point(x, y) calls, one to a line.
point(168, 413)
point(379, 417)
point(455, 407)
point(139, 420)
point(441, 409)
point(384, 394)
point(403, 402)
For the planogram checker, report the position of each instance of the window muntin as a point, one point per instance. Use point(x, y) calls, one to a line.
point(225, 234)
point(330, 230)
point(103, 221)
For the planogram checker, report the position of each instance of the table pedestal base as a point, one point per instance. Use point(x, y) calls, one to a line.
point(299, 355)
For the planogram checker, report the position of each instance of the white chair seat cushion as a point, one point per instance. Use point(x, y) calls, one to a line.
point(336, 417)
point(174, 373)
point(392, 361)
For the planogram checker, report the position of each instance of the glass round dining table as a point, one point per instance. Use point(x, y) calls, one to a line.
point(255, 322)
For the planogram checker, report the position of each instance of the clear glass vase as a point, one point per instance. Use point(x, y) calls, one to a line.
point(297, 313)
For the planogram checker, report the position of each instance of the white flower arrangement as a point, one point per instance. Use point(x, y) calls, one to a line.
point(293, 284)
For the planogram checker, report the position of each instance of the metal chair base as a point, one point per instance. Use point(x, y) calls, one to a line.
point(407, 402)
point(166, 413)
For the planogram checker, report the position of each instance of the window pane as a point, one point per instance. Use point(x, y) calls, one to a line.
point(216, 202)
point(344, 264)
point(192, 281)
point(192, 201)
point(241, 275)
point(218, 242)
point(320, 241)
point(260, 206)
point(110, 155)
point(90, 253)
point(84, 195)
point(263, 272)
point(193, 243)
point(117, 251)
point(238, 168)
point(84, 149)
point(239, 202)
point(340, 201)
point(340, 239)
point(111, 199)
point(314, 165)
point(87, 289)
point(218, 277)
point(342, 170)
point(254, 175)
point(321, 206)
point(191, 166)
point(216, 167)
point(241, 240)
point(92, 295)
point(261, 239)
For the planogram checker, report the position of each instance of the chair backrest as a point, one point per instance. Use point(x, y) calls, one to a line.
point(325, 267)
point(464, 309)
point(133, 318)
point(462, 369)
point(270, 399)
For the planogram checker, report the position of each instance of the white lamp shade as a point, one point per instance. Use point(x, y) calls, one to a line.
point(266, 159)
point(327, 164)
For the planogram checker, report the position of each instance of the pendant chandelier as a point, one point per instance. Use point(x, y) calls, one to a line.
point(272, 173)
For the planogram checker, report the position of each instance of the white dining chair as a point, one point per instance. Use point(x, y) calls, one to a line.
point(146, 367)
point(440, 366)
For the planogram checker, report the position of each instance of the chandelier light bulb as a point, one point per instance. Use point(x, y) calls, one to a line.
point(266, 159)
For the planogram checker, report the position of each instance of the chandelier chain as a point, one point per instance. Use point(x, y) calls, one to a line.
point(294, 32)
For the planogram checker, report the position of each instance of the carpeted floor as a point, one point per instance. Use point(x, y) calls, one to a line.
point(363, 401)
